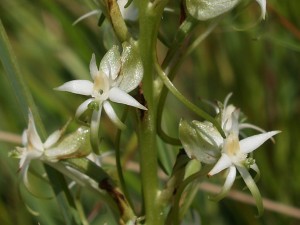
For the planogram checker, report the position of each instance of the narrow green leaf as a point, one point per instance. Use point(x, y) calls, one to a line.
point(13, 74)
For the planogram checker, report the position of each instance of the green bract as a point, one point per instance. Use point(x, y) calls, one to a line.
point(132, 68)
point(198, 140)
point(208, 9)
point(76, 144)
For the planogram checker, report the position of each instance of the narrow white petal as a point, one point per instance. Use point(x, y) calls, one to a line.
point(81, 87)
point(27, 157)
point(52, 139)
point(227, 185)
point(24, 176)
point(56, 135)
point(95, 123)
point(25, 165)
point(86, 15)
point(262, 4)
point(223, 163)
point(254, 127)
point(112, 115)
point(119, 96)
point(83, 106)
point(227, 100)
point(252, 187)
point(24, 138)
point(249, 144)
point(93, 67)
point(256, 169)
point(32, 135)
point(250, 126)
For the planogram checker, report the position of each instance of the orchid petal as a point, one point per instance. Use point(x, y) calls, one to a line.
point(52, 139)
point(93, 67)
point(254, 127)
point(223, 163)
point(262, 4)
point(208, 9)
point(95, 123)
point(111, 63)
point(250, 126)
point(55, 136)
point(32, 135)
point(227, 100)
point(76, 144)
point(256, 169)
point(227, 185)
point(249, 144)
point(83, 106)
point(209, 133)
point(252, 187)
point(119, 96)
point(86, 15)
point(24, 138)
point(26, 159)
point(195, 145)
point(81, 87)
point(112, 115)
point(132, 70)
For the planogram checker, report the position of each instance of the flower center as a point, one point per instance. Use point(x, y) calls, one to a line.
point(232, 148)
point(232, 145)
point(101, 86)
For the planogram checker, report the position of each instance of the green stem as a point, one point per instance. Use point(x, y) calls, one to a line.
point(183, 31)
point(186, 102)
point(174, 215)
point(117, 20)
point(118, 161)
point(186, 27)
point(149, 22)
point(105, 183)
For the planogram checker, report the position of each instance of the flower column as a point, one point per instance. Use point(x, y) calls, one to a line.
point(150, 14)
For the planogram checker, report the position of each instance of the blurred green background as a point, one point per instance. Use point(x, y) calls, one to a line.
point(259, 63)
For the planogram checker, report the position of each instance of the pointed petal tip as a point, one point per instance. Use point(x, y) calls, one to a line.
point(81, 87)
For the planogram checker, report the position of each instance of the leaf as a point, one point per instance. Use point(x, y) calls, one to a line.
point(195, 145)
point(208, 9)
point(132, 70)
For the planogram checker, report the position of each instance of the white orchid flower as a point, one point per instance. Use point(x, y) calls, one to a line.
point(33, 148)
point(234, 155)
point(116, 76)
point(52, 150)
point(202, 141)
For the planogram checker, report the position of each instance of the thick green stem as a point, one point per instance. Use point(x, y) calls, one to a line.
point(117, 20)
point(149, 21)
